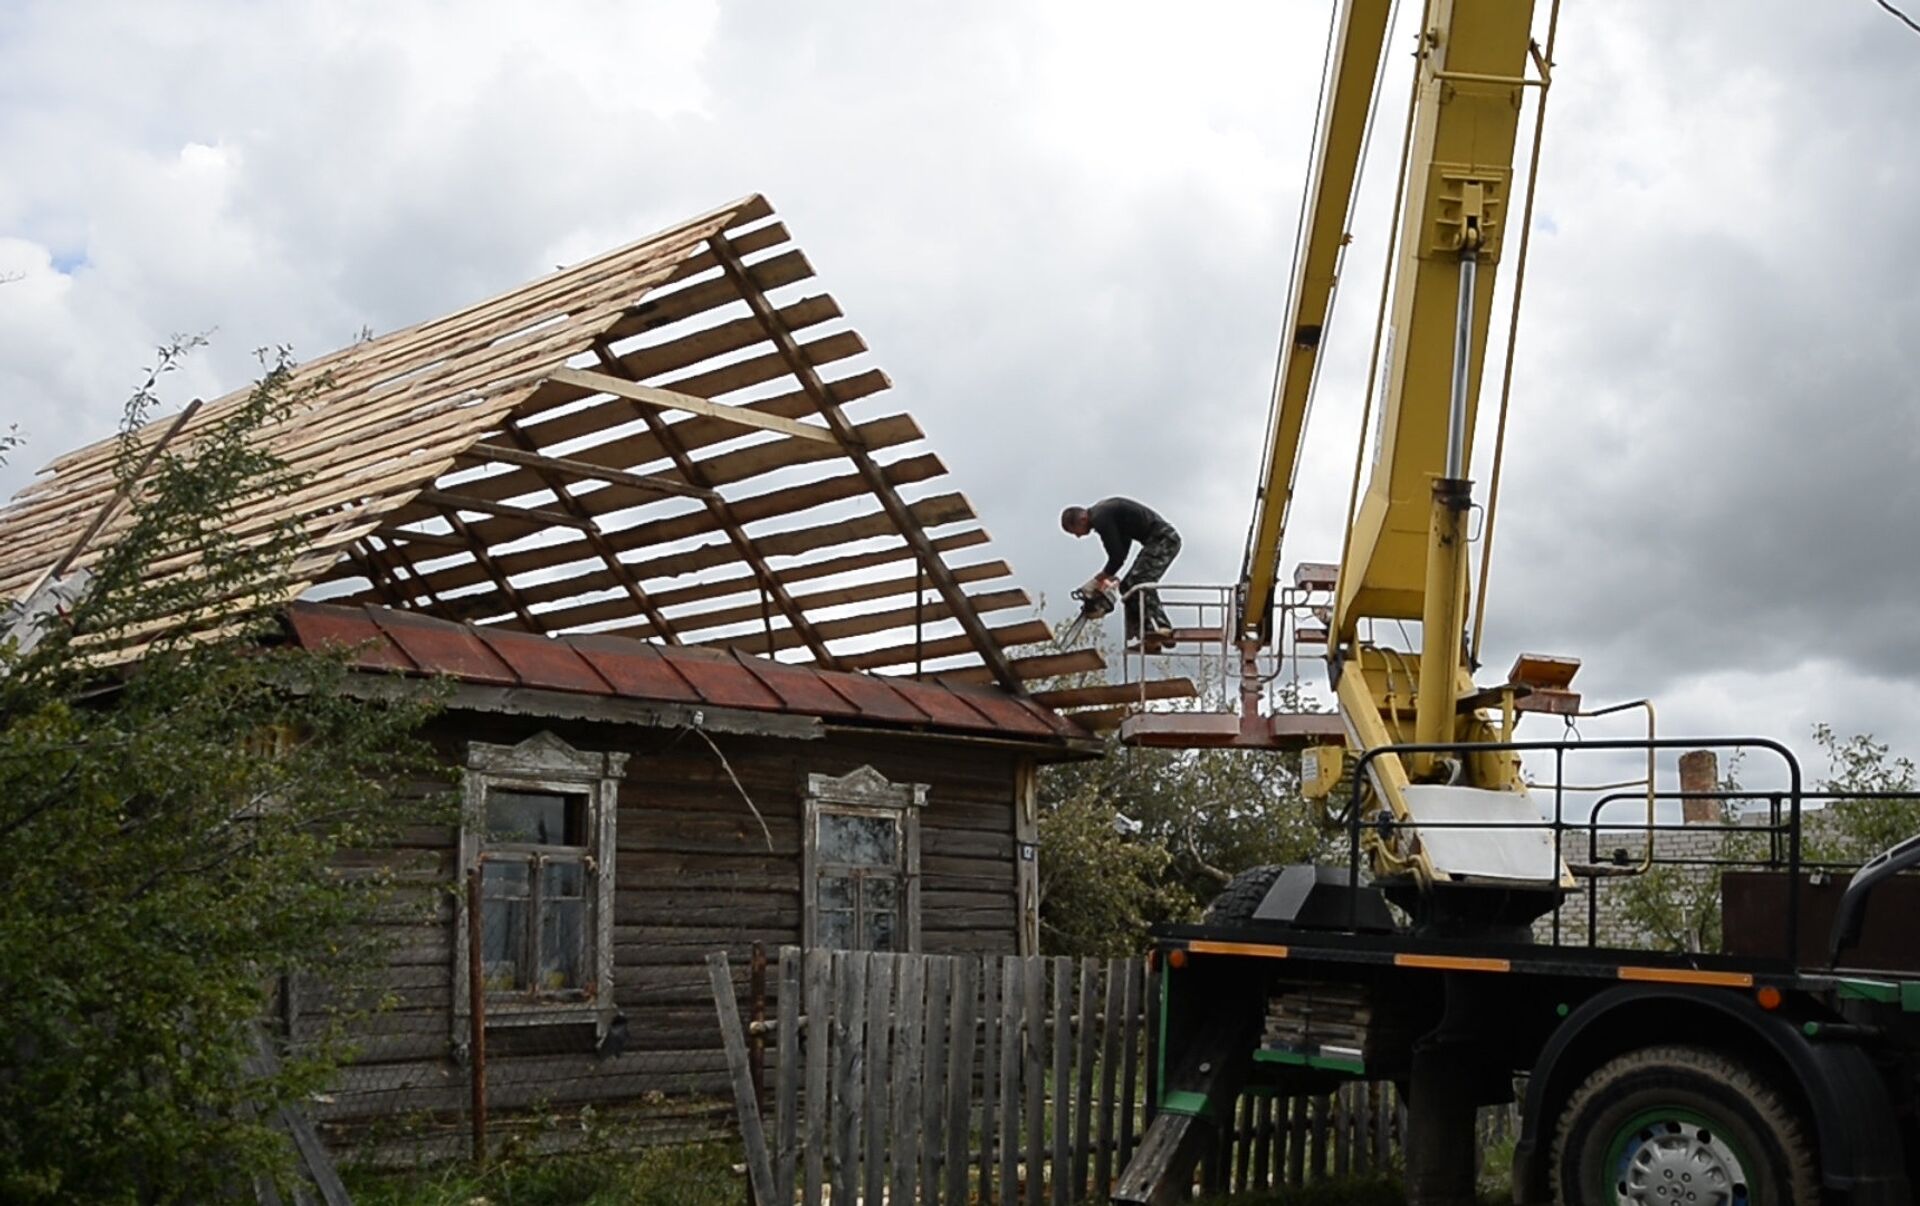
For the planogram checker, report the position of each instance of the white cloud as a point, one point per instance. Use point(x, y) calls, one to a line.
point(1066, 230)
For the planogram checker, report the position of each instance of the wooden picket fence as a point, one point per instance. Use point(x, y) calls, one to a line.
point(1003, 1081)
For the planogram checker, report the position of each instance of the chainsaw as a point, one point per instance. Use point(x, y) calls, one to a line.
point(1096, 602)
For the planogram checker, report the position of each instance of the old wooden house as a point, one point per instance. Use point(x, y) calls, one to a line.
point(726, 663)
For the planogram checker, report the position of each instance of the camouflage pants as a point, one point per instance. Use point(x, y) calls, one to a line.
point(1149, 565)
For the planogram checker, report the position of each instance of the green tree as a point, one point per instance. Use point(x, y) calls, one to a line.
point(1854, 830)
point(1140, 836)
point(169, 821)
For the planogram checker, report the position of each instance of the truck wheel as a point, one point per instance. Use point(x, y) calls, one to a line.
point(1683, 1126)
point(1242, 895)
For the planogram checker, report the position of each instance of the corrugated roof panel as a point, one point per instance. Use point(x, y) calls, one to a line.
point(542, 662)
point(1006, 715)
point(942, 705)
point(878, 701)
point(723, 682)
point(317, 627)
point(634, 668)
point(443, 647)
point(801, 690)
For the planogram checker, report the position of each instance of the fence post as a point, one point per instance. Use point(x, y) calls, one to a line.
point(757, 1025)
point(477, 1014)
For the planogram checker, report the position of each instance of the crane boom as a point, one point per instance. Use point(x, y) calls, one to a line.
point(1359, 36)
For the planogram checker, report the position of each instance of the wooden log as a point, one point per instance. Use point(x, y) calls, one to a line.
point(1083, 1067)
point(1059, 1166)
point(933, 1111)
point(818, 972)
point(849, 1070)
point(1033, 1064)
point(1117, 693)
point(907, 1117)
point(752, 1137)
point(787, 1073)
point(990, 1016)
point(1012, 995)
point(880, 969)
point(960, 1025)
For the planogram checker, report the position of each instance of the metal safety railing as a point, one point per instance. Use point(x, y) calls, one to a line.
point(1782, 828)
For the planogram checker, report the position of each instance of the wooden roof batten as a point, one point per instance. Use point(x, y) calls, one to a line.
point(628, 445)
point(936, 569)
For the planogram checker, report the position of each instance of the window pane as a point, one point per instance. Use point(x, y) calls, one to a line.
point(857, 841)
point(882, 913)
point(503, 924)
point(562, 953)
point(836, 912)
point(559, 878)
point(536, 817)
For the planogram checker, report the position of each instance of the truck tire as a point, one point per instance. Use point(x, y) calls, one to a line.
point(1681, 1125)
point(1242, 895)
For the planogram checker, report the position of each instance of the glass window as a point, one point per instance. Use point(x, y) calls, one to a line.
point(862, 868)
point(534, 885)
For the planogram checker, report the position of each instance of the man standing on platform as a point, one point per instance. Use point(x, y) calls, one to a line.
point(1122, 522)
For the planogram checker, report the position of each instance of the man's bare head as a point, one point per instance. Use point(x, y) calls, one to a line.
point(1076, 520)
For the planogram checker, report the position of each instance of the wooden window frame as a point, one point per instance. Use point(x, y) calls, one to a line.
point(544, 764)
point(864, 792)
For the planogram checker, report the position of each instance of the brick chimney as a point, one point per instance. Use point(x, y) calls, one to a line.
point(1699, 772)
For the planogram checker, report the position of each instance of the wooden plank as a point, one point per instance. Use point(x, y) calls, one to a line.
point(724, 339)
point(1243, 1145)
point(819, 1107)
point(786, 1075)
point(849, 1070)
point(730, 522)
point(1110, 1024)
point(1044, 665)
point(839, 596)
point(1083, 1063)
point(654, 313)
point(1262, 1145)
point(1297, 1142)
point(1317, 1151)
point(579, 470)
point(1131, 1058)
point(907, 1118)
point(1012, 996)
point(990, 1058)
point(1061, 1161)
point(809, 378)
point(961, 1018)
point(1116, 693)
point(752, 1137)
point(1150, 1042)
point(868, 624)
point(1033, 1062)
point(880, 969)
point(933, 1110)
point(667, 399)
point(1025, 632)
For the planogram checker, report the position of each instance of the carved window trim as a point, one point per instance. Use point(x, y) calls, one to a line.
point(542, 763)
point(862, 792)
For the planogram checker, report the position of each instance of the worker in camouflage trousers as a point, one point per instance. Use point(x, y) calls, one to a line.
point(1122, 523)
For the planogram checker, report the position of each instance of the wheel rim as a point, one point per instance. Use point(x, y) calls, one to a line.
point(1674, 1157)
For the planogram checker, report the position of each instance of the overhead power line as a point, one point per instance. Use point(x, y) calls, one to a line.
point(1904, 18)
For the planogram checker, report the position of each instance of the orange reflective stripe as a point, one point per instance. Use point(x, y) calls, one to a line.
point(1454, 963)
point(1260, 950)
point(1664, 975)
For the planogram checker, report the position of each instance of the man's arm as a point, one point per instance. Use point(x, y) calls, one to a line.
point(1117, 547)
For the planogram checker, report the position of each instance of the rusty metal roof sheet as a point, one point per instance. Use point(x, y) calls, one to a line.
point(384, 639)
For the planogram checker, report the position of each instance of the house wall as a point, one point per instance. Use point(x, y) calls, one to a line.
point(693, 874)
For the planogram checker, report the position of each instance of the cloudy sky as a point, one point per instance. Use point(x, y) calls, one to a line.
point(1066, 231)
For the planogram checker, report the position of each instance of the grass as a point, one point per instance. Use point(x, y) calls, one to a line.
point(697, 1175)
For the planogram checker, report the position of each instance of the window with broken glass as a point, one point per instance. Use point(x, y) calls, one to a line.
point(863, 861)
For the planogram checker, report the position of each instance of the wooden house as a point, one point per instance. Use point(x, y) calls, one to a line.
point(726, 663)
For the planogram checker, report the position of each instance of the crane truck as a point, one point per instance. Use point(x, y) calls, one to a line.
point(1782, 1069)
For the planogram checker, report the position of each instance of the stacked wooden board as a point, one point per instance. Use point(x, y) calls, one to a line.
point(663, 441)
